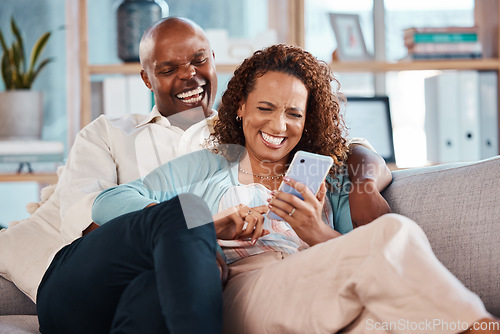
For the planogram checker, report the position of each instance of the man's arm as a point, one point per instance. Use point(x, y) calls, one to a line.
point(89, 170)
point(369, 175)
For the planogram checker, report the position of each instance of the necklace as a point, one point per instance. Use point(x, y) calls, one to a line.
point(260, 176)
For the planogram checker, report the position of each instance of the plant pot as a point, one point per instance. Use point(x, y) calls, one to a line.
point(21, 114)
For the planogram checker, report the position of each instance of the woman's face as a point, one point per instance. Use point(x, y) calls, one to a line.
point(273, 117)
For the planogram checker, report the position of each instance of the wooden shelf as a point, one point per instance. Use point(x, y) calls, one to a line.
point(420, 65)
point(135, 68)
point(365, 66)
point(49, 178)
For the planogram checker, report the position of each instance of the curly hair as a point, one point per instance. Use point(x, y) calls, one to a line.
point(324, 126)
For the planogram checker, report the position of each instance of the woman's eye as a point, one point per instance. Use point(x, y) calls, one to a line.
point(264, 109)
point(295, 115)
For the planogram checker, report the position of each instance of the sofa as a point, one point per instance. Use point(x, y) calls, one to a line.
point(457, 205)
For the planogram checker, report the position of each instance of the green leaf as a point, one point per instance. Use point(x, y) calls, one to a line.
point(19, 39)
point(15, 71)
point(17, 57)
point(38, 48)
point(6, 73)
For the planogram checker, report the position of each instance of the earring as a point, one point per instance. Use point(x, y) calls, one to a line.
point(238, 119)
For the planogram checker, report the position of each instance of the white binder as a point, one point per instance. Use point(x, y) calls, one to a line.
point(468, 104)
point(126, 94)
point(488, 114)
point(442, 120)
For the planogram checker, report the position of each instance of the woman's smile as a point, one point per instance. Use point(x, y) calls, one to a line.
point(272, 141)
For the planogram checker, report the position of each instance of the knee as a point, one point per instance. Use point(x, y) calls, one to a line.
point(187, 210)
point(195, 211)
point(394, 225)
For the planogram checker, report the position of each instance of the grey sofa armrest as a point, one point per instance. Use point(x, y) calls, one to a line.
point(13, 301)
point(458, 207)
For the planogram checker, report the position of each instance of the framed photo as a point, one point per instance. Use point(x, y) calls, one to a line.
point(370, 118)
point(350, 42)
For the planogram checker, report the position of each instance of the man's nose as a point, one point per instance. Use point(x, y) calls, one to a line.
point(187, 71)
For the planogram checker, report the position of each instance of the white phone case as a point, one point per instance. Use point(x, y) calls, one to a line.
point(307, 168)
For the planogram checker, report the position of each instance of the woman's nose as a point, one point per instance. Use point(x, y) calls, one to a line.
point(278, 123)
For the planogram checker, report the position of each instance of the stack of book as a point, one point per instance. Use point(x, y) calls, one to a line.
point(443, 43)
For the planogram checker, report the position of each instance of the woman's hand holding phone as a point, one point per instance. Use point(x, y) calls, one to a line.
point(241, 222)
point(304, 216)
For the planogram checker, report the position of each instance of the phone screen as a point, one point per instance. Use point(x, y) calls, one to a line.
point(309, 169)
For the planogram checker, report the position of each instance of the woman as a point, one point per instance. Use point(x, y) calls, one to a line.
point(296, 275)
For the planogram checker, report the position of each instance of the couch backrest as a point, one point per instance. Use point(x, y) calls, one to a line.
point(13, 301)
point(458, 207)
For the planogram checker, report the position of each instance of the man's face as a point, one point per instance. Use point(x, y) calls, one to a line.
point(181, 73)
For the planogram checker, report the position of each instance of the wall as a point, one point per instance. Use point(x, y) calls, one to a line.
point(34, 18)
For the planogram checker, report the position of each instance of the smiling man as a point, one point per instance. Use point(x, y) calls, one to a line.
point(178, 67)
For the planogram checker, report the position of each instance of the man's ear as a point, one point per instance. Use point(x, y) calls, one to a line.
point(213, 54)
point(145, 79)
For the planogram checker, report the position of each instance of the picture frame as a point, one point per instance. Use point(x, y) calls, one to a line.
point(350, 42)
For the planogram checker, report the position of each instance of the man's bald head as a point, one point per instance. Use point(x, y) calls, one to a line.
point(168, 25)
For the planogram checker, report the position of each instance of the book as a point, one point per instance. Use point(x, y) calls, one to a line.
point(437, 30)
point(441, 38)
point(424, 56)
point(452, 48)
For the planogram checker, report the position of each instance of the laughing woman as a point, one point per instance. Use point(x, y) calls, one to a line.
point(305, 273)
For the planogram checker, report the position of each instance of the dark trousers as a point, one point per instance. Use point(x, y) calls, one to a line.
point(143, 272)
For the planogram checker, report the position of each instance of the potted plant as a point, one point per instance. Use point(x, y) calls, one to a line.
point(21, 109)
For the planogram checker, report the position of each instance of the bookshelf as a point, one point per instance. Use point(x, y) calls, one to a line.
point(291, 24)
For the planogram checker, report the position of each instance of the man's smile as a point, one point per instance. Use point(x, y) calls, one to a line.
point(191, 96)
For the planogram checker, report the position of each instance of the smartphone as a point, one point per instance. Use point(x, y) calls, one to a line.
point(307, 168)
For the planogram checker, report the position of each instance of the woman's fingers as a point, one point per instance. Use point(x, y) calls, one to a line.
point(300, 187)
point(287, 205)
point(259, 228)
point(321, 193)
point(238, 224)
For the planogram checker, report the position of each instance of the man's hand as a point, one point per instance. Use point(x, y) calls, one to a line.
point(92, 226)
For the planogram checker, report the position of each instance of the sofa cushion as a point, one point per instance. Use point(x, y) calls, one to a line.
point(27, 247)
point(458, 207)
point(19, 324)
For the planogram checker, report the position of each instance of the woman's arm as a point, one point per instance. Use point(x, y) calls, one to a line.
point(191, 173)
point(369, 175)
point(125, 198)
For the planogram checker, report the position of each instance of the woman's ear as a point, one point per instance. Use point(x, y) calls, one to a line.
point(241, 110)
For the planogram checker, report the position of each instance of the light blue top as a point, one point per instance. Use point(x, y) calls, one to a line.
point(201, 173)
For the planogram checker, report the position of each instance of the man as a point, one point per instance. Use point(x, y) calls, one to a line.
point(178, 66)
